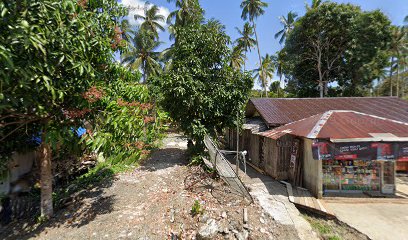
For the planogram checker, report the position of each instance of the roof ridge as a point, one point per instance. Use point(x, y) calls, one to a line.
point(378, 117)
point(386, 97)
point(320, 124)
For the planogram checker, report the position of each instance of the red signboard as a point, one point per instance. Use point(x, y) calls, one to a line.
point(325, 150)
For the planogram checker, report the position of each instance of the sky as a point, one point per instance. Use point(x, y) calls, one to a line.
point(228, 12)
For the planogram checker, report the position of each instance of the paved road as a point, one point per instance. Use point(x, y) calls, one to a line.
point(382, 221)
point(378, 218)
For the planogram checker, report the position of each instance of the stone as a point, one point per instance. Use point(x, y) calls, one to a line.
point(262, 220)
point(208, 230)
point(204, 218)
point(242, 235)
point(224, 215)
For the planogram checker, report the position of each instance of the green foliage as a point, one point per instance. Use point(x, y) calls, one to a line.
point(349, 43)
point(265, 72)
point(196, 209)
point(51, 53)
point(200, 91)
point(127, 124)
point(151, 19)
point(142, 54)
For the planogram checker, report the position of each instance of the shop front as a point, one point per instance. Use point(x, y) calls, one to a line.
point(357, 166)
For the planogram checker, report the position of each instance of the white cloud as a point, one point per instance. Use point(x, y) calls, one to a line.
point(137, 7)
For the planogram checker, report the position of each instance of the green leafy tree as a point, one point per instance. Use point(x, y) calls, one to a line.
point(126, 125)
point(336, 43)
point(51, 54)
point(201, 91)
point(398, 50)
point(252, 9)
point(288, 24)
point(245, 41)
point(143, 54)
point(275, 88)
point(151, 19)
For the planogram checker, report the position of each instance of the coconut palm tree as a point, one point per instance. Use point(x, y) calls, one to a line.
point(398, 45)
point(246, 41)
point(315, 4)
point(186, 12)
point(252, 9)
point(265, 72)
point(143, 54)
point(237, 57)
point(288, 23)
point(151, 19)
point(279, 65)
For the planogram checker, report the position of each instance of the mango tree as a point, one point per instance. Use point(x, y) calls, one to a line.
point(51, 55)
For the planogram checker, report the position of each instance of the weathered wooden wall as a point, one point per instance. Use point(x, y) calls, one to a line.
point(312, 170)
point(277, 156)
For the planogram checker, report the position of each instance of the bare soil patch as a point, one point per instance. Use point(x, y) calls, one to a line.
point(151, 202)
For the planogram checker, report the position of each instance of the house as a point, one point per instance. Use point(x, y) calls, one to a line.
point(285, 154)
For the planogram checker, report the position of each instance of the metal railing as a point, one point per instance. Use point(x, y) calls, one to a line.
point(224, 169)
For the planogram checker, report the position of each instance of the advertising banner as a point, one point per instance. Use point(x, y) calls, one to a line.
point(325, 150)
point(403, 152)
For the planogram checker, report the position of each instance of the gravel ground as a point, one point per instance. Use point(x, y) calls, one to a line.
point(151, 202)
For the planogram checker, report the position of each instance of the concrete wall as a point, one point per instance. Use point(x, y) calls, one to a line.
point(312, 171)
point(19, 165)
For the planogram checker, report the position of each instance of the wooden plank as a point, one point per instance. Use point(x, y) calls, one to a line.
point(308, 200)
point(322, 208)
point(290, 191)
point(302, 200)
point(316, 205)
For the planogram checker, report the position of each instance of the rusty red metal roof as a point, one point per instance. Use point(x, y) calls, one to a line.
point(343, 125)
point(280, 111)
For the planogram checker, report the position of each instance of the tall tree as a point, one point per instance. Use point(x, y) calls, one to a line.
point(201, 92)
point(187, 11)
point(279, 67)
point(51, 54)
point(252, 9)
point(151, 19)
point(237, 57)
point(264, 73)
point(315, 4)
point(143, 54)
point(397, 47)
point(288, 24)
point(245, 41)
point(329, 44)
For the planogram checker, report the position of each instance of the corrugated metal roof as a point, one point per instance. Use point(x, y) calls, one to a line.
point(280, 111)
point(343, 125)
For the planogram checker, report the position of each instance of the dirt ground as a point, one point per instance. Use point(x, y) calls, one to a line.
point(151, 202)
point(333, 229)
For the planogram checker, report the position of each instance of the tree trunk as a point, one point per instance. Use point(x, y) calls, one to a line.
point(245, 60)
point(144, 72)
point(260, 60)
point(403, 83)
point(280, 82)
point(392, 62)
point(46, 179)
point(397, 80)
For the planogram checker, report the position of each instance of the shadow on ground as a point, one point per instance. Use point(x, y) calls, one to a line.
point(84, 203)
point(165, 158)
